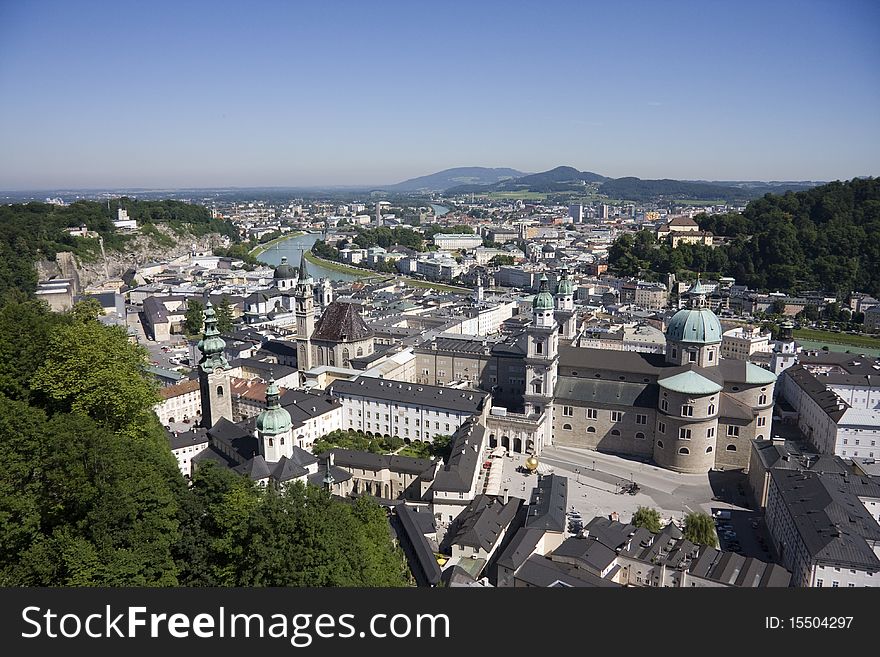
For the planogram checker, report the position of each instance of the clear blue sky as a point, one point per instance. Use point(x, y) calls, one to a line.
point(179, 94)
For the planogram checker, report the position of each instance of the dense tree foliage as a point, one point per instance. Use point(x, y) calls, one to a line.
point(194, 320)
point(356, 440)
point(90, 494)
point(648, 518)
point(224, 315)
point(825, 238)
point(699, 528)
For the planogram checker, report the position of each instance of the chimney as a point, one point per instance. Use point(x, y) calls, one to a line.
point(506, 496)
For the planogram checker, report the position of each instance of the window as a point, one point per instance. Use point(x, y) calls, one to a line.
point(219, 391)
point(664, 405)
point(539, 347)
point(616, 416)
point(709, 449)
point(674, 352)
point(592, 414)
point(762, 400)
point(819, 583)
point(731, 448)
point(732, 430)
point(591, 429)
point(684, 450)
point(711, 355)
point(684, 434)
point(640, 435)
point(661, 427)
point(710, 432)
point(615, 432)
point(538, 387)
point(835, 584)
point(692, 356)
point(641, 419)
point(711, 410)
point(687, 410)
point(271, 442)
point(566, 427)
point(447, 427)
point(762, 421)
point(660, 444)
point(568, 411)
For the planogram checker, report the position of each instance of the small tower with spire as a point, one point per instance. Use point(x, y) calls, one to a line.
point(214, 379)
point(305, 316)
point(478, 290)
point(274, 427)
point(564, 306)
point(328, 479)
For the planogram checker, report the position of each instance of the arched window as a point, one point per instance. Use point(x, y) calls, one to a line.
point(271, 442)
point(674, 352)
point(640, 435)
point(660, 444)
point(219, 391)
point(567, 427)
point(731, 448)
point(711, 409)
point(345, 357)
point(332, 356)
point(760, 436)
point(615, 432)
point(282, 440)
point(709, 449)
point(360, 352)
point(762, 400)
point(684, 450)
point(591, 429)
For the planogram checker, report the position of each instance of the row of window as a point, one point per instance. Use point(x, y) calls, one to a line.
point(593, 414)
point(873, 442)
point(684, 450)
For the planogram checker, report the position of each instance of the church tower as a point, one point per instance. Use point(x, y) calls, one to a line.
point(305, 317)
point(565, 314)
point(542, 358)
point(274, 427)
point(478, 291)
point(214, 380)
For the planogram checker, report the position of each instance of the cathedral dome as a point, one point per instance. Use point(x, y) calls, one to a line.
point(274, 419)
point(699, 326)
point(284, 270)
point(543, 300)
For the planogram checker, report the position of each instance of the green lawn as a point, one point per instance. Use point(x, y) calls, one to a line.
point(337, 266)
point(436, 286)
point(838, 338)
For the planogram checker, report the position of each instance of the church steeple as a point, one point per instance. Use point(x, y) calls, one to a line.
point(274, 427)
point(212, 345)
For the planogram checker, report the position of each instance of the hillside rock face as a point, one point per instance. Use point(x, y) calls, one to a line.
point(141, 251)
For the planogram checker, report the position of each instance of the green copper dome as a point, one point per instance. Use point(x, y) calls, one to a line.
point(543, 300)
point(212, 345)
point(565, 287)
point(274, 419)
point(698, 326)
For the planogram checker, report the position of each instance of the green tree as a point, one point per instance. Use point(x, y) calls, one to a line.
point(94, 370)
point(699, 528)
point(194, 320)
point(648, 518)
point(778, 307)
point(224, 315)
point(499, 260)
point(87, 309)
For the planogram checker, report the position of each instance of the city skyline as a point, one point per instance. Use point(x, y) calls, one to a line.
point(206, 96)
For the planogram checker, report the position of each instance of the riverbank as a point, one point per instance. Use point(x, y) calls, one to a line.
point(369, 273)
point(844, 339)
point(260, 248)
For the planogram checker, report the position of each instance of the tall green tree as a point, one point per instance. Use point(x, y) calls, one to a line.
point(224, 315)
point(699, 528)
point(648, 518)
point(194, 320)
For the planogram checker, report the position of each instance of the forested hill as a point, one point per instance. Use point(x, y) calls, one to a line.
point(824, 238)
point(32, 231)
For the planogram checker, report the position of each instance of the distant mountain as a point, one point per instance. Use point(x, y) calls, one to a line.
point(437, 182)
point(636, 189)
point(560, 179)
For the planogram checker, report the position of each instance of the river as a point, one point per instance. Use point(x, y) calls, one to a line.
point(293, 248)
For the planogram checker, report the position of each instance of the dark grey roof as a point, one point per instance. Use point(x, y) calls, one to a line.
point(827, 400)
point(599, 391)
point(587, 553)
point(461, 401)
point(304, 406)
point(279, 347)
point(588, 362)
point(264, 369)
point(520, 548)
point(155, 310)
point(341, 322)
point(198, 436)
point(317, 478)
point(458, 471)
point(456, 346)
point(541, 571)
point(483, 521)
point(548, 503)
point(613, 534)
point(289, 469)
point(255, 468)
point(349, 458)
point(833, 524)
point(779, 456)
point(412, 523)
point(237, 437)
